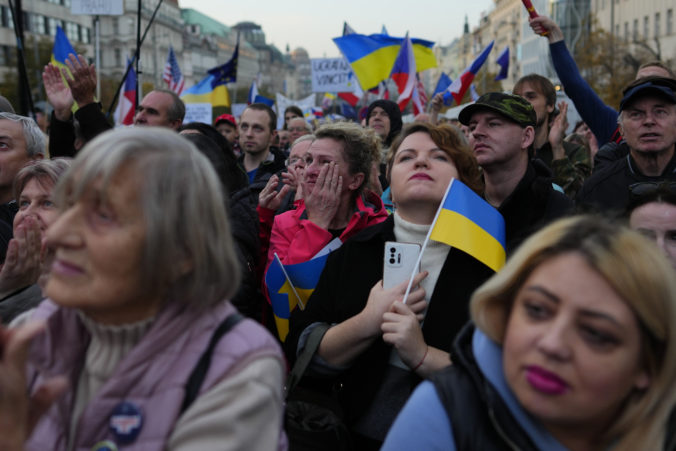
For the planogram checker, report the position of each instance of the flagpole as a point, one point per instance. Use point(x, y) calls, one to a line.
point(129, 66)
point(427, 239)
point(288, 279)
point(25, 96)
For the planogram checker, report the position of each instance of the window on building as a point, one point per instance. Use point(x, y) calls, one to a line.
point(626, 31)
point(87, 35)
point(39, 25)
point(116, 26)
point(617, 30)
point(670, 21)
point(634, 34)
point(118, 58)
point(6, 17)
point(657, 24)
point(27, 21)
point(646, 27)
point(53, 24)
point(4, 55)
point(71, 31)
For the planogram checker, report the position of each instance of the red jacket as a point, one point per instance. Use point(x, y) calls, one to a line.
point(296, 239)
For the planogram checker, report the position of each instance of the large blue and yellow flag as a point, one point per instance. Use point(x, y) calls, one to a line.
point(62, 48)
point(288, 292)
point(469, 223)
point(372, 57)
point(212, 88)
point(205, 92)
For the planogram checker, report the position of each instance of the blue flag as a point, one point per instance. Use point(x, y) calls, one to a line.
point(503, 61)
point(227, 73)
point(286, 293)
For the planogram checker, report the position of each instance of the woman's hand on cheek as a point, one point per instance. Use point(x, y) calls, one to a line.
point(321, 204)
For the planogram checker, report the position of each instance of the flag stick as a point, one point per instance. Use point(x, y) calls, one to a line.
point(302, 306)
point(427, 239)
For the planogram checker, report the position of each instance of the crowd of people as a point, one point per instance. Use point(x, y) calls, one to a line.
point(136, 313)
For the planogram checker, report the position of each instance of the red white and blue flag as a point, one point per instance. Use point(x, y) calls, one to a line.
point(253, 90)
point(172, 75)
point(126, 104)
point(460, 85)
point(403, 74)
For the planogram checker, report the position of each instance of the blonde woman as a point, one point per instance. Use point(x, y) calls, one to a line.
point(573, 348)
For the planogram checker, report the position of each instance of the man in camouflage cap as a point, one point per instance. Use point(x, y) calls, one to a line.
point(502, 131)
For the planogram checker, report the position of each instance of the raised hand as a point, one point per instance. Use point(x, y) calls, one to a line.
point(544, 26)
point(557, 132)
point(269, 197)
point(58, 94)
point(83, 81)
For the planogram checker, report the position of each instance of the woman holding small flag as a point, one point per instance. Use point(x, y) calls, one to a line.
point(571, 347)
point(377, 349)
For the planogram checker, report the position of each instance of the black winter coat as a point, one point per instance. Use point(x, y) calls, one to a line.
point(342, 292)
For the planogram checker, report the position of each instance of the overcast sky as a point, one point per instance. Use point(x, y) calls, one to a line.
point(312, 24)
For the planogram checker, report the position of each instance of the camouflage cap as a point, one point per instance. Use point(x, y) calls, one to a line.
point(513, 107)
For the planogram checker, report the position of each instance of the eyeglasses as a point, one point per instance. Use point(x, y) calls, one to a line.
point(292, 161)
point(641, 189)
point(297, 129)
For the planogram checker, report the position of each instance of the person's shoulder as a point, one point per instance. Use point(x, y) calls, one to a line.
point(601, 177)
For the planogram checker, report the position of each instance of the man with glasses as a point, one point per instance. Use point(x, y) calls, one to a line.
point(298, 127)
point(647, 122)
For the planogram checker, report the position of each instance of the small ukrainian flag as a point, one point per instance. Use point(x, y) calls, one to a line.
point(469, 223)
point(290, 286)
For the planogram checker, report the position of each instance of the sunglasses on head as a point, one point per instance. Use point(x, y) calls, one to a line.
point(641, 189)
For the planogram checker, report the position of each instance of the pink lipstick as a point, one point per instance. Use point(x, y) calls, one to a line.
point(545, 381)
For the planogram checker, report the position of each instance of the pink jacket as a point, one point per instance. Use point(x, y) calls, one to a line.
point(296, 239)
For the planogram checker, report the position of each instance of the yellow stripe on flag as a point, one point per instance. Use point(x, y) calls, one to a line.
point(460, 232)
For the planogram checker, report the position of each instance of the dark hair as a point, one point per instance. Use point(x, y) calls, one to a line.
point(293, 109)
point(449, 139)
point(647, 192)
point(393, 112)
point(267, 109)
point(217, 149)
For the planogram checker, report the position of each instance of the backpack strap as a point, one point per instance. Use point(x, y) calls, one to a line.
point(305, 357)
point(192, 387)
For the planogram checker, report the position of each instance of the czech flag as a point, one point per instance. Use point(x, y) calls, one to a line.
point(126, 105)
point(460, 85)
point(403, 74)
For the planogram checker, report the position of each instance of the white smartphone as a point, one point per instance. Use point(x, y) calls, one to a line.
point(398, 262)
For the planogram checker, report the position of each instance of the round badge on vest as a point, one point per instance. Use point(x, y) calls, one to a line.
point(105, 445)
point(126, 422)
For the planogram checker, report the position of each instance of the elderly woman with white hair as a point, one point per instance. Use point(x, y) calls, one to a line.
point(137, 345)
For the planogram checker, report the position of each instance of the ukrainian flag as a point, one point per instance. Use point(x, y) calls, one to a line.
point(372, 57)
point(467, 222)
point(205, 92)
point(62, 48)
point(286, 293)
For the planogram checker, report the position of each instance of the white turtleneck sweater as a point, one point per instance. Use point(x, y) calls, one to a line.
point(432, 261)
